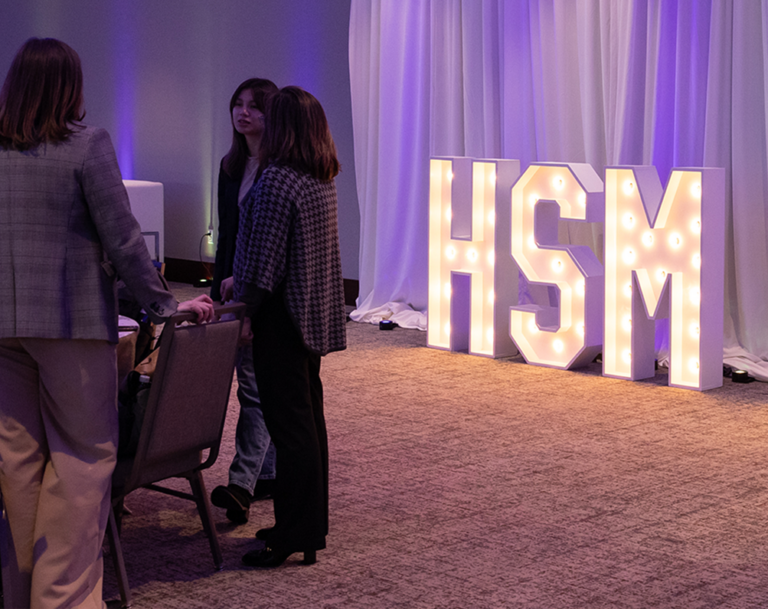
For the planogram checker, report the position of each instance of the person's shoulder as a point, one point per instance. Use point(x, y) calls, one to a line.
point(86, 136)
point(86, 132)
point(273, 169)
point(223, 175)
point(281, 175)
point(295, 176)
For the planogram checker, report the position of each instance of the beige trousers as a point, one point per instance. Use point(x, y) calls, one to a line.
point(58, 446)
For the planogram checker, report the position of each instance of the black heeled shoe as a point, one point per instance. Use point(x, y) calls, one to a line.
point(267, 558)
point(265, 534)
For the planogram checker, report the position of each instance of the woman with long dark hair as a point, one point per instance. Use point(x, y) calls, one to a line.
point(252, 472)
point(66, 232)
point(288, 271)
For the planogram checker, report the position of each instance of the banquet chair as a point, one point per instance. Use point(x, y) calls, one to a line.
point(185, 411)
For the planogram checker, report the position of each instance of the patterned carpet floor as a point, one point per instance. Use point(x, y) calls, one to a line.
point(464, 482)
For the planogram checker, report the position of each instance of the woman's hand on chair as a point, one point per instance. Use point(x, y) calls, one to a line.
point(246, 336)
point(227, 289)
point(202, 307)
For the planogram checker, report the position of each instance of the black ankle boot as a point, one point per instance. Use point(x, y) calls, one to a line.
point(235, 499)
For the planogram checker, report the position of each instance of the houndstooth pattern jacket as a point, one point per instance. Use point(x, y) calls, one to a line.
point(289, 233)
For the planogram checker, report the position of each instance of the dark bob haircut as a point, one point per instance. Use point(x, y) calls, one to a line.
point(234, 161)
point(296, 134)
point(42, 96)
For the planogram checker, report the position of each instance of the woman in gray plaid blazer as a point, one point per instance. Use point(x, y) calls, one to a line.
point(66, 232)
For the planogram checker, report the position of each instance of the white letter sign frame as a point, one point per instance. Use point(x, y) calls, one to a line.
point(568, 335)
point(470, 287)
point(664, 256)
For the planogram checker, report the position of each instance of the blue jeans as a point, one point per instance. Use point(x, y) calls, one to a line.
point(255, 453)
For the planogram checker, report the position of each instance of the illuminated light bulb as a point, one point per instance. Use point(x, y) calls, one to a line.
point(491, 258)
point(447, 290)
point(695, 296)
point(472, 255)
point(448, 215)
point(628, 256)
point(693, 365)
point(696, 261)
point(661, 275)
point(626, 356)
point(629, 187)
point(628, 290)
point(626, 323)
point(492, 218)
point(533, 199)
point(695, 331)
point(532, 327)
point(489, 335)
point(492, 177)
point(580, 287)
point(696, 226)
point(648, 239)
point(675, 240)
point(491, 297)
point(580, 329)
point(450, 252)
point(447, 329)
point(696, 190)
point(557, 265)
point(582, 198)
point(629, 220)
point(532, 242)
point(557, 345)
point(449, 175)
point(558, 183)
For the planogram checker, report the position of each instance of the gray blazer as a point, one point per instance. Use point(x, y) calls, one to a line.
point(66, 230)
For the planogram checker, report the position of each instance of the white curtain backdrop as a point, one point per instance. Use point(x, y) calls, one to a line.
point(641, 82)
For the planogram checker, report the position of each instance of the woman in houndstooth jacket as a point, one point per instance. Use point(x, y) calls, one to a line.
point(288, 271)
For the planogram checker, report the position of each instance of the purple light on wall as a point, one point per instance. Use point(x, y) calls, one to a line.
point(306, 57)
point(125, 84)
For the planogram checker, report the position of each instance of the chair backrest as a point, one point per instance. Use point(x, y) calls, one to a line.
point(187, 402)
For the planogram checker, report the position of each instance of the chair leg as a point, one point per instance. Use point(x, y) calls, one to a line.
point(116, 550)
point(204, 509)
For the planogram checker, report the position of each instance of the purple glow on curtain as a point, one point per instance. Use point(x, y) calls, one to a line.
point(518, 124)
point(664, 127)
point(631, 152)
point(690, 97)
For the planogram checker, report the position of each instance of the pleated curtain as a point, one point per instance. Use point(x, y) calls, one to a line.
point(607, 82)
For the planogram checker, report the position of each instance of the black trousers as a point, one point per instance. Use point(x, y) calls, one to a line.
point(288, 378)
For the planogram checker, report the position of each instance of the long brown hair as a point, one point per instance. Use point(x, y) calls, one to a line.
point(42, 96)
point(296, 134)
point(234, 161)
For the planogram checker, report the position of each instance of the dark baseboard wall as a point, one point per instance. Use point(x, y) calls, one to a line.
point(351, 292)
point(192, 271)
point(187, 271)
